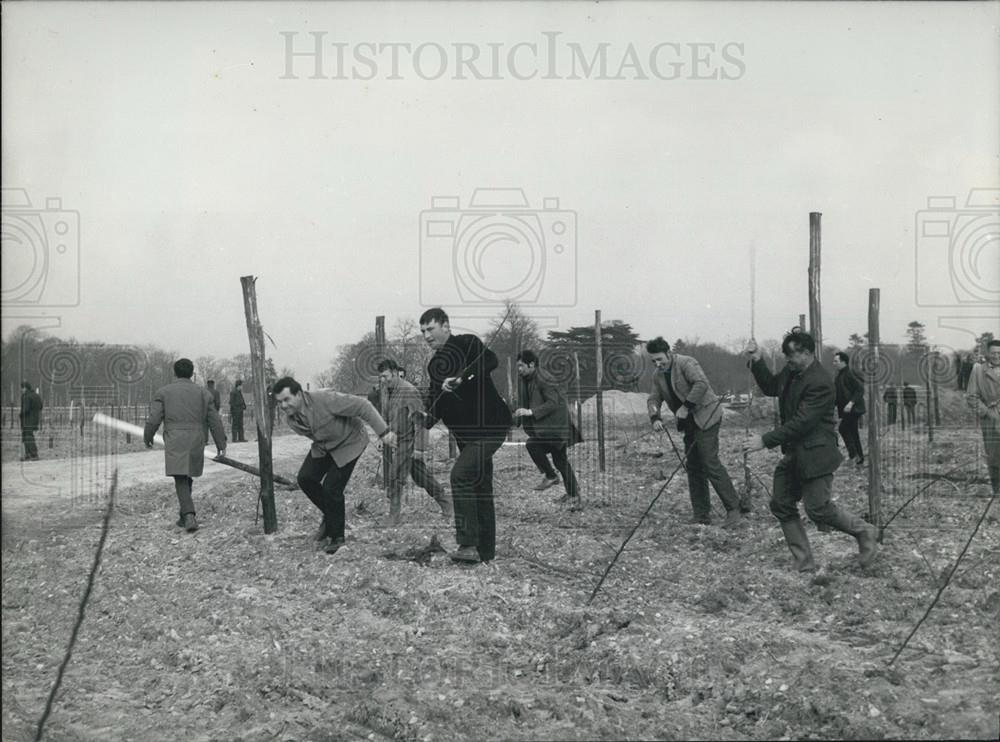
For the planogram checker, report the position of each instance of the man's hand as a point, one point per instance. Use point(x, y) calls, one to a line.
point(752, 350)
point(451, 383)
point(658, 426)
point(523, 412)
point(389, 439)
point(849, 406)
point(682, 412)
point(753, 443)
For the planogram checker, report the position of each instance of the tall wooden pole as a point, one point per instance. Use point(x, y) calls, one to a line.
point(510, 397)
point(747, 477)
point(579, 397)
point(255, 334)
point(600, 395)
point(802, 323)
point(815, 319)
point(874, 412)
point(383, 396)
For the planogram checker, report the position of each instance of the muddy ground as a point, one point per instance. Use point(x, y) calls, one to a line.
point(698, 633)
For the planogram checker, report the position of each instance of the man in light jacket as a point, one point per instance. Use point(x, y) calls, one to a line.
point(332, 421)
point(680, 382)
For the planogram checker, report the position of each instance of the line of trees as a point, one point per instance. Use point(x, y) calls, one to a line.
point(99, 373)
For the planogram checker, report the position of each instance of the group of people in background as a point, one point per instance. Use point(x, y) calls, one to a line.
point(463, 397)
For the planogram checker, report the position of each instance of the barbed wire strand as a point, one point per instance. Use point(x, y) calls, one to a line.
point(105, 527)
point(946, 582)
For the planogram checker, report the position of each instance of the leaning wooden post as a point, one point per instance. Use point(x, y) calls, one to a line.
point(600, 395)
point(874, 413)
point(579, 397)
point(383, 395)
point(802, 322)
point(255, 334)
point(815, 318)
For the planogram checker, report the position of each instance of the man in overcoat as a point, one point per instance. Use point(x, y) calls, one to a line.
point(681, 383)
point(807, 439)
point(31, 419)
point(545, 417)
point(186, 411)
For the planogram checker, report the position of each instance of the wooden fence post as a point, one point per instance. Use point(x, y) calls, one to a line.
point(815, 314)
point(874, 412)
point(600, 393)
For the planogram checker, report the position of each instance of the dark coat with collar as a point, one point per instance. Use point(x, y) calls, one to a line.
point(31, 410)
point(806, 402)
point(849, 389)
point(475, 410)
point(550, 419)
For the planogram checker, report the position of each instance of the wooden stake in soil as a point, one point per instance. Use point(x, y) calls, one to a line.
point(383, 396)
point(815, 319)
point(579, 398)
point(874, 414)
point(255, 334)
point(600, 394)
point(510, 397)
point(747, 476)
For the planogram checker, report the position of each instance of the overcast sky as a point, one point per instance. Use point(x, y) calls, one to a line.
point(191, 144)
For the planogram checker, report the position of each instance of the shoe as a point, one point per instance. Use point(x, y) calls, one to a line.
point(467, 554)
point(864, 533)
point(575, 504)
point(334, 546)
point(798, 544)
point(190, 523)
point(701, 520)
point(860, 461)
point(546, 483)
point(180, 520)
point(321, 533)
point(734, 519)
point(562, 500)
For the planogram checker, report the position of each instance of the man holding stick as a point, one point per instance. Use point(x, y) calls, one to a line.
point(462, 394)
point(680, 382)
point(809, 444)
point(187, 411)
point(332, 421)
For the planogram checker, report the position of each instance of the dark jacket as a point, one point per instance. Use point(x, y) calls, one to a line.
point(216, 397)
point(909, 396)
point(31, 410)
point(186, 411)
point(890, 395)
point(475, 410)
point(806, 401)
point(550, 419)
point(849, 389)
point(236, 401)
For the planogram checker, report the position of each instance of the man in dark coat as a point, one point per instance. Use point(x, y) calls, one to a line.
point(462, 395)
point(850, 406)
point(187, 412)
point(31, 420)
point(545, 418)
point(237, 404)
point(806, 398)
point(682, 384)
point(910, 403)
point(216, 397)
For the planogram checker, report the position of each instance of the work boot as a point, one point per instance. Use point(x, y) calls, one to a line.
point(180, 520)
point(190, 523)
point(546, 483)
point(865, 534)
point(734, 519)
point(701, 520)
point(798, 544)
point(334, 546)
point(465, 554)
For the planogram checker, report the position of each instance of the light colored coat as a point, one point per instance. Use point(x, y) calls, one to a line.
point(186, 411)
point(332, 421)
point(691, 387)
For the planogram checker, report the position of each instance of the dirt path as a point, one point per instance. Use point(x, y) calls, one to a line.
point(86, 479)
